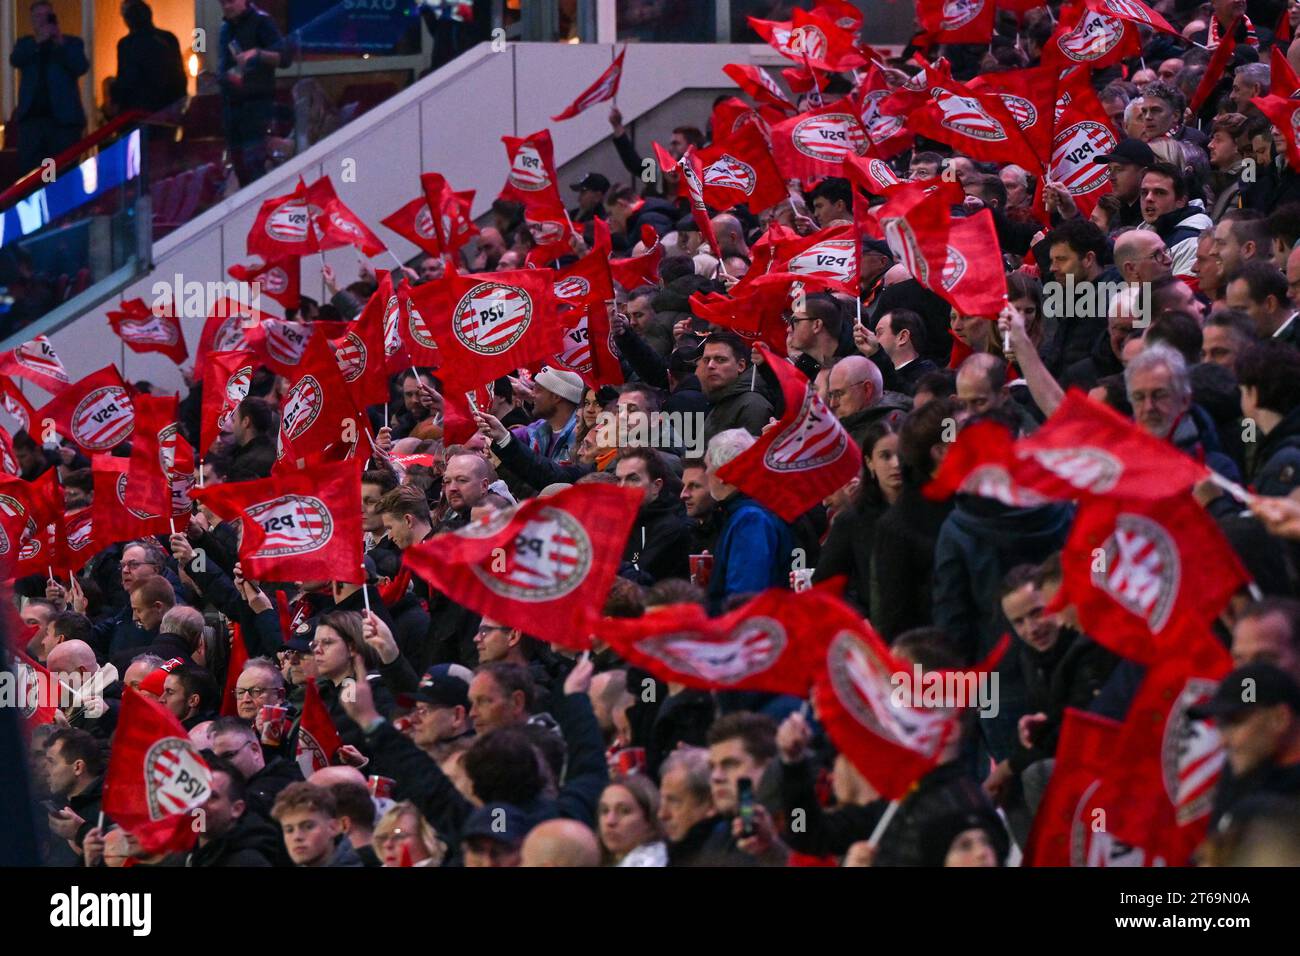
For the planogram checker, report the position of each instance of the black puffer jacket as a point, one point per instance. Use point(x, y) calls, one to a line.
point(254, 841)
point(946, 790)
point(1097, 364)
point(661, 539)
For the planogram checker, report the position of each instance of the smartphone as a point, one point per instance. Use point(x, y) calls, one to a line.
point(745, 805)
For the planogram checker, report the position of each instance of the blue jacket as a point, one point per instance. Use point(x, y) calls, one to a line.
point(754, 551)
point(557, 446)
point(67, 62)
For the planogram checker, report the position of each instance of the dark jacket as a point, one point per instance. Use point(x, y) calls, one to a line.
point(253, 29)
point(86, 805)
point(253, 460)
point(824, 832)
point(902, 562)
point(946, 790)
point(847, 551)
point(150, 72)
point(754, 551)
point(698, 846)
point(660, 540)
point(253, 841)
point(420, 779)
point(891, 405)
point(738, 406)
point(63, 64)
point(1097, 364)
point(331, 696)
point(1076, 335)
point(265, 785)
point(1276, 468)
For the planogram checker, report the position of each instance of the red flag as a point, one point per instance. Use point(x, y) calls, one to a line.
point(114, 521)
point(318, 738)
point(1284, 114)
point(638, 270)
point(544, 567)
point(1030, 97)
point(95, 412)
point(755, 308)
point(489, 325)
point(1215, 68)
point(1134, 11)
point(35, 691)
point(1282, 32)
point(418, 341)
point(155, 776)
point(1082, 132)
point(8, 460)
point(283, 227)
point(588, 346)
point(873, 175)
point(227, 327)
point(15, 403)
point(916, 221)
point(453, 227)
point(796, 464)
point(815, 144)
point(774, 643)
point(1088, 37)
point(976, 125)
point(733, 114)
point(812, 36)
point(301, 526)
point(690, 186)
point(831, 254)
point(972, 276)
point(759, 86)
point(741, 171)
point(1142, 573)
point(153, 451)
point(144, 330)
point(605, 88)
point(360, 356)
point(891, 742)
point(317, 416)
point(280, 344)
point(37, 362)
point(281, 281)
point(1282, 78)
point(942, 22)
point(335, 224)
point(39, 506)
point(532, 179)
point(234, 667)
point(1071, 827)
point(76, 541)
point(228, 376)
point(887, 132)
point(1165, 765)
point(415, 223)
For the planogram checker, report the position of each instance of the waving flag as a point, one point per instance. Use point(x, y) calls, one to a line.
point(759, 86)
point(1215, 69)
point(37, 362)
point(317, 416)
point(1087, 37)
point(886, 131)
point(153, 451)
point(144, 330)
point(755, 308)
point(316, 739)
point(415, 223)
point(916, 221)
point(95, 412)
point(335, 224)
point(226, 329)
point(690, 186)
point(1065, 831)
point(741, 170)
point(532, 179)
point(113, 520)
point(1284, 114)
point(1135, 11)
point(974, 124)
point(1082, 132)
point(972, 276)
point(1283, 81)
point(584, 292)
point(809, 454)
point(453, 226)
point(774, 643)
point(15, 403)
point(489, 325)
point(280, 281)
point(605, 88)
point(15, 524)
point(891, 742)
point(39, 506)
point(1030, 97)
point(954, 21)
point(813, 37)
point(544, 567)
point(360, 356)
point(1166, 765)
point(283, 228)
point(34, 689)
point(418, 341)
point(1142, 573)
point(830, 254)
point(155, 776)
point(815, 144)
point(300, 526)
point(8, 460)
point(228, 376)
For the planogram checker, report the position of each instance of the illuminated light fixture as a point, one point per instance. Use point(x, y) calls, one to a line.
point(89, 176)
point(193, 65)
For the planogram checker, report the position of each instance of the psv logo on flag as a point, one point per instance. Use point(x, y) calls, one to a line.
point(151, 330)
point(904, 244)
point(1086, 468)
point(309, 754)
point(289, 222)
point(416, 325)
point(1072, 153)
point(236, 391)
point(1141, 569)
point(572, 287)
point(1094, 37)
point(834, 258)
point(294, 524)
point(275, 280)
point(958, 13)
point(302, 406)
point(728, 172)
point(175, 778)
point(577, 348)
point(1191, 754)
point(40, 357)
point(120, 488)
point(528, 172)
point(967, 115)
point(492, 316)
point(549, 558)
point(351, 356)
point(751, 648)
point(78, 530)
point(1092, 847)
point(954, 267)
point(286, 341)
point(812, 440)
point(1022, 111)
point(829, 137)
point(103, 419)
point(424, 226)
point(878, 126)
point(392, 330)
point(229, 336)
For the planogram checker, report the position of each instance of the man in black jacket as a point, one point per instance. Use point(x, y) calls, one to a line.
point(231, 835)
point(74, 764)
point(660, 540)
point(150, 73)
point(237, 742)
point(253, 429)
point(250, 49)
point(49, 116)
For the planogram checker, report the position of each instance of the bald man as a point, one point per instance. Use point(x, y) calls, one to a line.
point(464, 483)
point(82, 696)
point(328, 776)
point(560, 843)
point(731, 236)
point(1141, 256)
point(858, 398)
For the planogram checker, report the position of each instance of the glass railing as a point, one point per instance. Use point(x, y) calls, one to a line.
point(61, 238)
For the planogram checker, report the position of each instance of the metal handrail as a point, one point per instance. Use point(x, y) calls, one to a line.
point(33, 180)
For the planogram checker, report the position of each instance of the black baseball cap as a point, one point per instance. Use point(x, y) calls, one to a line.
point(878, 246)
point(502, 822)
point(1130, 150)
point(594, 181)
point(1255, 685)
point(687, 224)
point(445, 685)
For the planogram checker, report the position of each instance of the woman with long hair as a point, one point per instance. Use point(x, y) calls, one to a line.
point(628, 823)
point(338, 640)
point(848, 546)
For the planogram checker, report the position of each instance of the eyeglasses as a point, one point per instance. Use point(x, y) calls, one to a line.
point(792, 320)
point(1160, 255)
point(230, 754)
point(487, 628)
point(836, 394)
point(321, 645)
point(132, 565)
point(252, 691)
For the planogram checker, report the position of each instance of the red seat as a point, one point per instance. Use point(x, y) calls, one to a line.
point(80, 282)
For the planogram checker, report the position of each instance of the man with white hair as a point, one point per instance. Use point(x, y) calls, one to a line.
point(82, 695)
point(755, 547)
point(1248, 82)
point(1160, 391)
point(856, 394)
